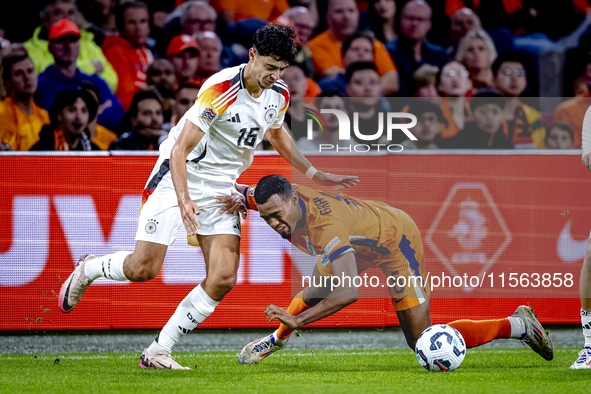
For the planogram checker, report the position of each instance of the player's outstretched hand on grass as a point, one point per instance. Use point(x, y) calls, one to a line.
point(188, 211)
point(274, 312)
point(234, 203)
point(328, 179)
point(587, 160)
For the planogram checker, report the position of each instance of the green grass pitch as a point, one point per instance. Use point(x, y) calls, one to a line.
point(371, 371)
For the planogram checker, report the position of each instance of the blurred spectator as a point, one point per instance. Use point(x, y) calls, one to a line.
point(183, 53)
point(99, 17)
point(559, 136)
point(301, 20)
point(63, 75)
point(573, 110)
point(342, 18)
point(486, 131)
point(310, 5)
point(145, 118)
point(210, 55)
point(524, 122)
point(70, 115)
point(477, 52)
point(462, 21)
point(424, 81)
point(411, 49)
point(161, 76)
point(299, 87)
point(128, 53)
point(100, 135)
point(21, 118)
point(238, 10)
point(91, 60)
point(363, 88)
point(453, 85)
point(184, 99)
point(330, 134)
point(359, 47)
point(197, 17)
point(382, 19)
point(494, 13)
point(428, 128)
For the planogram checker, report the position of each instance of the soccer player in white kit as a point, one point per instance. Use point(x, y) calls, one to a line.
point(584, 359)
point(202, 158)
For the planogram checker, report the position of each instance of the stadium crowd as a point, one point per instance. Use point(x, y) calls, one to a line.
point(117, 74)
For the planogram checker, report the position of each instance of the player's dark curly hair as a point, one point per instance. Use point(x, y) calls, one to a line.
point(277, 41)
point(271, 185)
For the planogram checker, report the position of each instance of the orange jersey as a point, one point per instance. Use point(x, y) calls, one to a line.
point(327, 52)
point(336, 224)
point(264, 9)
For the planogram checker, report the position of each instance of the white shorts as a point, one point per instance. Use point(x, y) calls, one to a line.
point(160, 216)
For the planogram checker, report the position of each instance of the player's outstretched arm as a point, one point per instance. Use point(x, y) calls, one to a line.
point(187, 141)
point(345, 294)
point(283, 143)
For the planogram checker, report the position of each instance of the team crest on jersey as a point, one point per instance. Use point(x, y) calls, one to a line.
point(208, 114)
point(270, 113)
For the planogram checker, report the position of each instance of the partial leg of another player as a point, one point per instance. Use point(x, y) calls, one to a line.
point(222, 257)
point(143, 264)
point(584, 359)
point(257, 350)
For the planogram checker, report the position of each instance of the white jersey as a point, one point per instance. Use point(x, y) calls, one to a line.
point(234, 123)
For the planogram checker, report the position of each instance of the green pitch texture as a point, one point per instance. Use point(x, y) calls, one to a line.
point(388, 371)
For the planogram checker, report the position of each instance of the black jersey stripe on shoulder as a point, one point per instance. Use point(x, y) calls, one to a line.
point(280, 88)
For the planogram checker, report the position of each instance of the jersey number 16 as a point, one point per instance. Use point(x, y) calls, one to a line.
point(248, 137)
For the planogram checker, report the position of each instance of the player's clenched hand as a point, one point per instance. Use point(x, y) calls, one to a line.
point(188, 211)
point(328, 179)
point(587, 160)
point(235, 202)
point(274, 312)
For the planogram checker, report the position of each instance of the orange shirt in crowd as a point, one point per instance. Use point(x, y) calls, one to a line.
point(573, 111)
point(244, 9)
point(131, 65)
point(313, 90)
point(326, 53)
point(18, 129)
point(104, 137)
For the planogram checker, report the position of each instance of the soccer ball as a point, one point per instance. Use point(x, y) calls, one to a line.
point(440, 348)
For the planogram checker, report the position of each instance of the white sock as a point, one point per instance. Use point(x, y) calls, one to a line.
point(586, 323)
point(517, 327)
point(109, 266)
point(278, 340)
point(192, 310)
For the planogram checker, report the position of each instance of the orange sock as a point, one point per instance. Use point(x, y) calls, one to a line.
point(296, 307)
point(479, 332)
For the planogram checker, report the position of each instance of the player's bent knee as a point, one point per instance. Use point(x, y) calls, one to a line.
point(224, 283)
point(143, 270)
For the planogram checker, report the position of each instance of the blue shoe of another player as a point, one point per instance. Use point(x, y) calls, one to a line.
point(256, 351)
point(584, 360)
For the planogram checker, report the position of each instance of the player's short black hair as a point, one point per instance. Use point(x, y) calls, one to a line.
point(271, 185)
point(277, 41)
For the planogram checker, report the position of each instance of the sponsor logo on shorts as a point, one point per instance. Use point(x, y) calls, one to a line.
point(208, 114)
point(151, 226)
